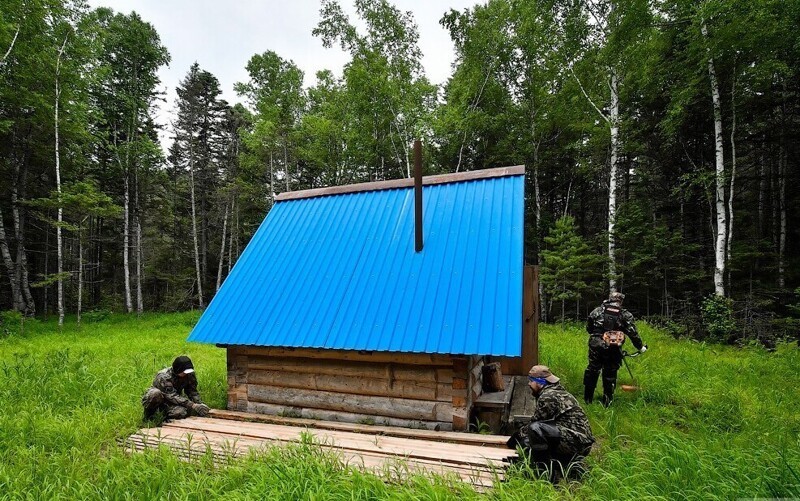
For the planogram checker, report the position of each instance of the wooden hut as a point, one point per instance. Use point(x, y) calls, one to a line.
point(379, 302)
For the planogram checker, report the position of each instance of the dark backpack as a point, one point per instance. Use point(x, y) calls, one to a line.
point(612, 318)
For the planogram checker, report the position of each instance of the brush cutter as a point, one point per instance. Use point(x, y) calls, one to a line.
point(632, 386)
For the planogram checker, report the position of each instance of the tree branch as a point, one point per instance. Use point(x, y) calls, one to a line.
point(8, 52)
point(571, 70)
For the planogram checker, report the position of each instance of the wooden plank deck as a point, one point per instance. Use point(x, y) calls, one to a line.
point(392, 453)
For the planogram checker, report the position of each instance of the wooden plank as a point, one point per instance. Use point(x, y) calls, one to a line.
point(363, 404)
point(223, 447)
point(500, 399)
point(361, 356)
point(516, 170)
point(395, 468)
point(353, 385)
point(522, 402)
point(441, 436)
point(445, 452)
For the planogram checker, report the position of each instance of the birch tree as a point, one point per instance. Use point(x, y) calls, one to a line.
point(129, 56)
point(390, 97)
point(59, 242)
point(609, 33)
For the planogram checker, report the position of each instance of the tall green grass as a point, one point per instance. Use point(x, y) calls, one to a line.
point(710, 422)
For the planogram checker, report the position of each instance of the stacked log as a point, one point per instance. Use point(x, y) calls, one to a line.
point(396, 389)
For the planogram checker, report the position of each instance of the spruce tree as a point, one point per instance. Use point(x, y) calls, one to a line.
point(568, 264)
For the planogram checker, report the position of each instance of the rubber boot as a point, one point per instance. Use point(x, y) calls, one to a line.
point(608, 391)
point(589, 384)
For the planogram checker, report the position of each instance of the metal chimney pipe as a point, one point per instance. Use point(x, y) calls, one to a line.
point(418, 195)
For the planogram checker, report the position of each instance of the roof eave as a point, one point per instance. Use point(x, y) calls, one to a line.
point(457, 177)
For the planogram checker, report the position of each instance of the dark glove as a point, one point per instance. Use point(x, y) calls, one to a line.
point(201, 409)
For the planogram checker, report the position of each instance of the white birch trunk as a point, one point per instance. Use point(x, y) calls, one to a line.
point(234, 219)
point(126, 267)
point(9, 262)
point(80, 273)
point(139, 298)
point(21, 265)
point(612, 183)
point(10, 47)
point(286, 165)
point(722, 222)
point(729, 236)
point(222, 248)
point(461, 150)
point(271, 179)
point(59, 241)
point(194, 236)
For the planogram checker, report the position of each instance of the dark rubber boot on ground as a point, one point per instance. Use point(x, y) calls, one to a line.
point(589, 384)
point(608, 391)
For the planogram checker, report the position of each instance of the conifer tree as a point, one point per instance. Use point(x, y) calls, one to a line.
point(568, 264)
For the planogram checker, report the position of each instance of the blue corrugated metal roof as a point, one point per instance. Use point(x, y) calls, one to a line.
point(340, 272)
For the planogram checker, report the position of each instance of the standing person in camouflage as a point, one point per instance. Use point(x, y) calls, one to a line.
point(558, 435)
point(165, 394)
point(605, 325)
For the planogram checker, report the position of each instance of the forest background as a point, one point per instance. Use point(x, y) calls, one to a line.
point(658, 138)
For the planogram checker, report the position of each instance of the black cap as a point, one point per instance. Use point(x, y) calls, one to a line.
point(182, 364)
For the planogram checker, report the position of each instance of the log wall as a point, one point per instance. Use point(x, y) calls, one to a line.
point(396, 389)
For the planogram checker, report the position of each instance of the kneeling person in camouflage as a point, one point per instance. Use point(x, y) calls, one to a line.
point(558, 436)
point(165, 394)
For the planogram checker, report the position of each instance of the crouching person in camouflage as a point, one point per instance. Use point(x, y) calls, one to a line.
point(165, 394)
point(558, 437)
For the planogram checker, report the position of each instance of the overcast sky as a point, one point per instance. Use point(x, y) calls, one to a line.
point(222, 35)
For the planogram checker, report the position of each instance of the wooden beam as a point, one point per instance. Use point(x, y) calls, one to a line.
point(518, 366)
point(364, 404)
point(343, 417)
point(517, 170)
point(353, 384)
point(366, 370)
point(362, 356)
point(530, 322)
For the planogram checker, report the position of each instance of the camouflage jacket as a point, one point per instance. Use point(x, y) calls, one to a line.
point(557, 406)
point(172, 386)
point(600, 322)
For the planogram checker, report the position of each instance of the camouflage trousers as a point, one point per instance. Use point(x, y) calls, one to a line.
point(154, 401)
point(559, 452)
point(605, 358)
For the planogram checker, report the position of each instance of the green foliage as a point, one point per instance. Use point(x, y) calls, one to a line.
point(95, 316)
point(10, 323)
point(387, 97)
point(718, 318)
point(696, 430)
point(568, 263)
point(795, 307)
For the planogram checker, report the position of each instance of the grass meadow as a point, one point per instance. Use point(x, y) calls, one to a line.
point(710, 422)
